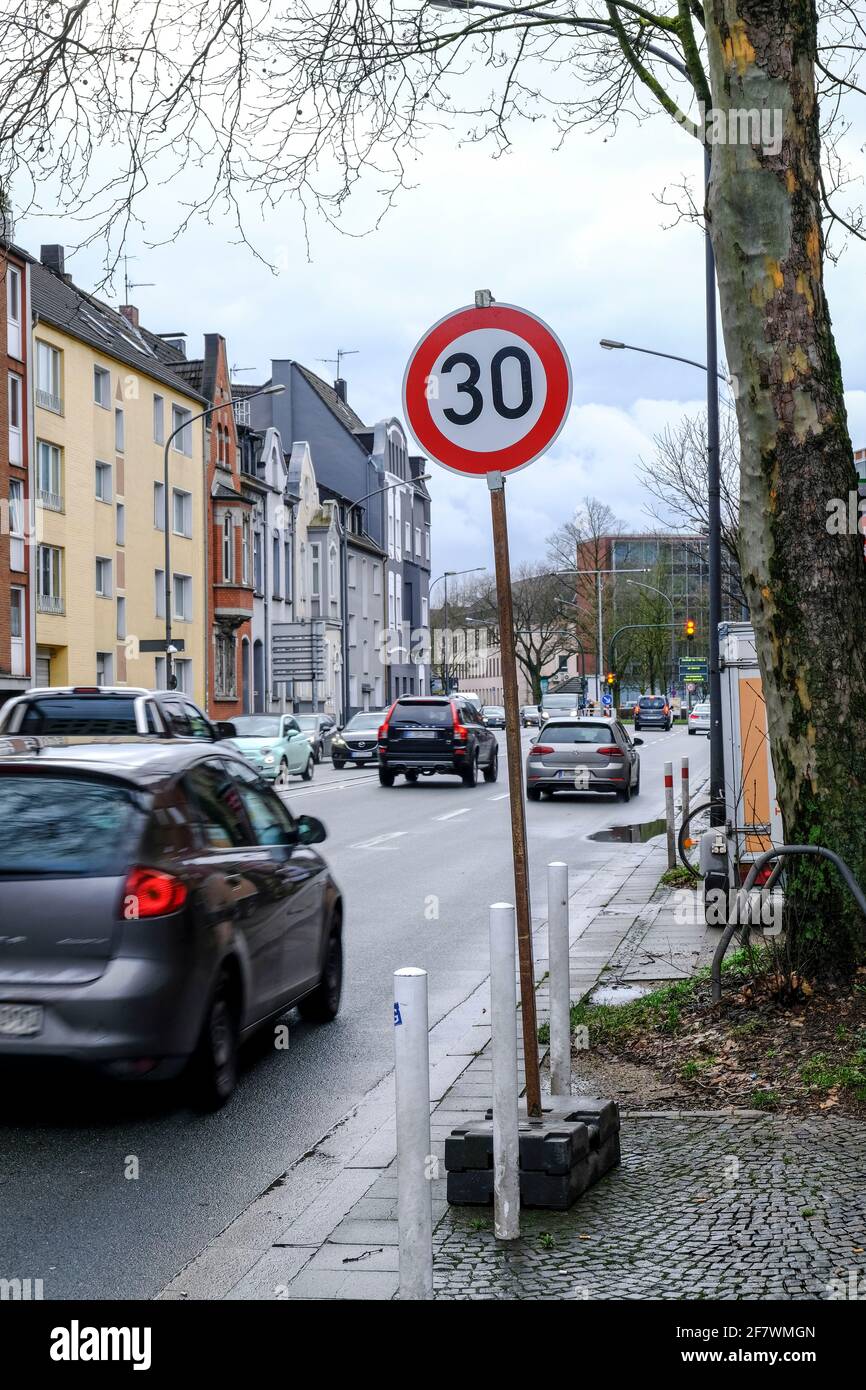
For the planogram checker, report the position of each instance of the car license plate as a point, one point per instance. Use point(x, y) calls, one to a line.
point(581, 778)
point(20, 1020)
point(356, 754)
point(418, 733)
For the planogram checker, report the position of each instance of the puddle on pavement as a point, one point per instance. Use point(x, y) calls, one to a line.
point(630, 834)
point(619, 994)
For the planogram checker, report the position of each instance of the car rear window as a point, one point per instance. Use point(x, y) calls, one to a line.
point(656, 702)
point(421, 716)
point(67, 825)
point(365, 721)
point(79, 714)
point(577, 733)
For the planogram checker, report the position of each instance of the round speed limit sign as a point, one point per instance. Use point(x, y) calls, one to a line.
point(487, 389)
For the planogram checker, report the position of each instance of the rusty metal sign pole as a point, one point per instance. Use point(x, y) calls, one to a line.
point(496, 483)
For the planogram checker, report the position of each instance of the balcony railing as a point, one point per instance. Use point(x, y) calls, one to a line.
point(51, 501)
point(48, 401)
point(49, 603)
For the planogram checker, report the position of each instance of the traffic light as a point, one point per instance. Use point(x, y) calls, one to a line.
point(690, 629)
point(611, 678)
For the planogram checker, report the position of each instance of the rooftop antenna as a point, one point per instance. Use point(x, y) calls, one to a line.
point(337, 361)
point(236, 370)
point(132, 284)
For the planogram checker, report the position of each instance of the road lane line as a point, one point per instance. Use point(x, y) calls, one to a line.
point(452, 814)
point(503, 796)
point(378, 840)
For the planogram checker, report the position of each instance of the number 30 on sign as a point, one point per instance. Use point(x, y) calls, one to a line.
point(487, 389)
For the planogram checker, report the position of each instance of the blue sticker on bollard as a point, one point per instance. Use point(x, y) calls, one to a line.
point(397, 1016)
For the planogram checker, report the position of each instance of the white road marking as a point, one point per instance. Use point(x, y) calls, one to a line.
point(378, 840)
point(451, 814)
point(502, 797)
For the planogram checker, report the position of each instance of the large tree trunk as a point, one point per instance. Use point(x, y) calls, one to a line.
point(806, 586)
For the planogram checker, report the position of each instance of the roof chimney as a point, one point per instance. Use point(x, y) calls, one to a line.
point(340, 388)
point(176, 341)
point(130, 312)
point(52, 257)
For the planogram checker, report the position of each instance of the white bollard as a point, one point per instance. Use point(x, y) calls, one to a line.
point(414, 1174)
point(685, 789)
point(669, 815)
point(503, 1026)
point(559, 979)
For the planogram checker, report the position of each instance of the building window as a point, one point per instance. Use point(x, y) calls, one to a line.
point(118, 430)
point(315, 571)
point(16, 525)
point(48, 378)
point(377, 581)
point(49, 480)
point(257, 562)
point(424, 618)
point(287, 569)
point(302, 571)
point(102, 387)
point(350, 573)
point(159, 593)
point(183, 674)
point(103, 481)
point(158, 420)
point(241, 408)
point(418, 541)
point(407, 537)
point(13, 311)
point(427, 543)
point(103, 577)
point(228, 550)
point(332, 577)
point(181, 420)
point(225, 666)
point(364, 601)
point(104, 664)
point(120, 528)
point(18, 646)
point(159, 506)
point(353, 630)
point(181, 512)
point(366, 665)
point(183, 597)
point(121, 620)
point(49, 564)
point(245, 550)
point(16, 454)
point(275, 561)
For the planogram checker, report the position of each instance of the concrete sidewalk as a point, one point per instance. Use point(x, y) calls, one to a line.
point(327, 1228)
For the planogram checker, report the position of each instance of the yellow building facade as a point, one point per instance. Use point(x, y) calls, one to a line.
point(100, 427)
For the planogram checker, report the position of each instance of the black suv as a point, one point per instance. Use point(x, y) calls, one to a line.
point(427, 734)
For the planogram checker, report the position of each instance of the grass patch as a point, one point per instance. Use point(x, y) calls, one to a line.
point(679, 877)
point(761, 1099)
point(821, 1073)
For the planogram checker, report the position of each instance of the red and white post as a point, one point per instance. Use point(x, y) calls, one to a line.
point(685, 789)
point(669, 815)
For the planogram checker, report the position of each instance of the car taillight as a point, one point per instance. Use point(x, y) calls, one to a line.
point(636, 710)
point(539, 749)
point(611, 751)
point(383, 728)
point(665, 709)
point(151, 893)
point(461, 733)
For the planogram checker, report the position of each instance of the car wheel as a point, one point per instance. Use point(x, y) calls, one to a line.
point(492, 772)
point(469, 775)
point(636, 788)
point(691, 733)
point(307, 773)
point(386, 778)
point(214, 1067)
point(339, 765)
point(317, 753)
point(625, 794)
point(533, 793)
point(282, 777)
point(323, 1005)
point(412, 776)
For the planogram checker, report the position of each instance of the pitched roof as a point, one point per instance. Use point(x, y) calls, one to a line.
point(343, 411)
point(81, 315)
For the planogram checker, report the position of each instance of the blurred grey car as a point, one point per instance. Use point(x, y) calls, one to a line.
point(158, 904)
point(529, 716)
point(587, 755)
point(358, 742)
point(699, 718)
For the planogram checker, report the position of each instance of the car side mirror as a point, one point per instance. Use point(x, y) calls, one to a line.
point(637, 742)
point(290, 733)
point(311, 831)
point(225, 729)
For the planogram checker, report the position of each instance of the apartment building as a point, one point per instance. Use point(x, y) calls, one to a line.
point(16, 529)
point(105, 404)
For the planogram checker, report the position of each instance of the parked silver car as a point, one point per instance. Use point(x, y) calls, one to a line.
point(158, 903)
point(699, 718)
point(587, 755)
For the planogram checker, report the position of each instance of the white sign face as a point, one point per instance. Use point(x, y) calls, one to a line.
point(487, 389)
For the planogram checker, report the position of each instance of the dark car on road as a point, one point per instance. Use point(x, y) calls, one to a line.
point(426, 734)
point(93, 711)
point(357, 743)
point(653, 712)
point(529, 716)
point(317, 729)
point(158, 903)
point(588, 755)
point(494, 716)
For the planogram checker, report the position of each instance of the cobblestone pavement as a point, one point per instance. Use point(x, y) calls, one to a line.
point(702, 1207)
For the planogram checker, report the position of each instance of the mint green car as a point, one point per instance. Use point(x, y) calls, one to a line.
point(275, 746)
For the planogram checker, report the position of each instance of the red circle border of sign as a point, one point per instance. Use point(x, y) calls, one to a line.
point(553, 358)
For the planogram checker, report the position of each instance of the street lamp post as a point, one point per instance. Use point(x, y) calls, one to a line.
point(446, 575)
point(344, 547)
point(714, 517)
point(170, 678)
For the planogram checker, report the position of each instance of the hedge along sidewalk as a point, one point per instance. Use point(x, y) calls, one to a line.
point(327, 1228)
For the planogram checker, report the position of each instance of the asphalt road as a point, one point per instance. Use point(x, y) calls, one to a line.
point(418, 866)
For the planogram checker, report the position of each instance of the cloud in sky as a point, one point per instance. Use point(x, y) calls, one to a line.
point(578, 236)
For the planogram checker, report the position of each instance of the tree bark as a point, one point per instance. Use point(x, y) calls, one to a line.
point(806, 586)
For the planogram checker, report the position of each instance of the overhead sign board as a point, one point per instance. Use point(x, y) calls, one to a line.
point(693, 668)
point(298, 651)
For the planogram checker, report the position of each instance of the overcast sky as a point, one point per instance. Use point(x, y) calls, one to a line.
point(576, 236)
